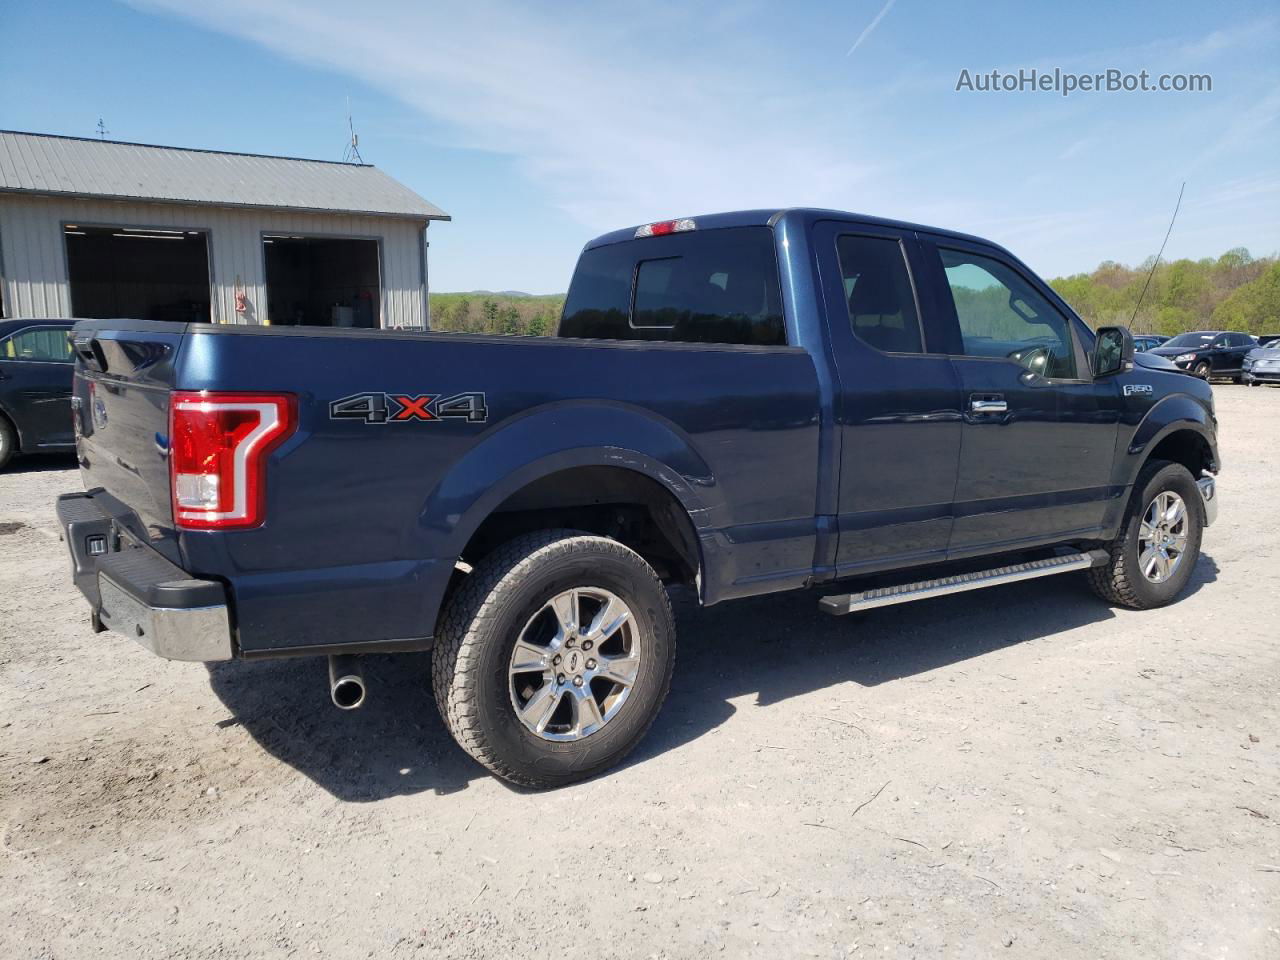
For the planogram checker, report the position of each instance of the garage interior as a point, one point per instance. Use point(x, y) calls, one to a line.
point(322, 281)
point(138, 272)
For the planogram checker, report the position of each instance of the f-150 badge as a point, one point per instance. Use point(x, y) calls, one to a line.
point(405, 407)
point(1132, 389)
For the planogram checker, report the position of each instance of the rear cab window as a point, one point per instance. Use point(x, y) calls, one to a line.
point(705, 286)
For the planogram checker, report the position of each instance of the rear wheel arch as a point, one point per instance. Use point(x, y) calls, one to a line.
point(616, 502)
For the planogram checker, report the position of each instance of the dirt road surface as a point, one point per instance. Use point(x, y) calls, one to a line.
point(1020, 772)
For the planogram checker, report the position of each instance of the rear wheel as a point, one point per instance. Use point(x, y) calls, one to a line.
point(554, 657)
point(8, 441)
point(1152, 560)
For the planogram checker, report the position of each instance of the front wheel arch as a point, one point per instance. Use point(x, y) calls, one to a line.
point(1184, 446)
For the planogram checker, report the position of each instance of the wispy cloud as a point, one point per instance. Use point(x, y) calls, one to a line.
point(875, 22)
point(612, 132)
point(686, 107)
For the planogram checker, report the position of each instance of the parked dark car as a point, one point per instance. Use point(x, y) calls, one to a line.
point(36, 369)
point(1148, 341)
point(743, 404)
point(1267, 338)
point(1262, 364)
point(1209, 353)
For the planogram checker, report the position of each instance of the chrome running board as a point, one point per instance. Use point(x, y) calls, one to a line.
point(922, 589)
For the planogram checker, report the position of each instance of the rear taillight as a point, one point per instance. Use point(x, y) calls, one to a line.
point(218, 446)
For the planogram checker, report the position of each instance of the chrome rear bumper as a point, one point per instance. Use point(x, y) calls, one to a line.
point(175, 633)
point(134, 591)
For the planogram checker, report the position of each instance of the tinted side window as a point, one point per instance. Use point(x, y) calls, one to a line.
point(46, 343)
point(877, 291)
point(599, 298)
point(713, 286)
point(1002, 316)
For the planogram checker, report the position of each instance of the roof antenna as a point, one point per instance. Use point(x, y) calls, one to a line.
point(1176, 207)
point(352, 153)
point(102, 130)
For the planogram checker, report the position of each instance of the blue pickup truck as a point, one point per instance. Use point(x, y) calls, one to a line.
point(744, 403)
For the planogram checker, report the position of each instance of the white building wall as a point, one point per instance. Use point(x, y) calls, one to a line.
point(33, 261)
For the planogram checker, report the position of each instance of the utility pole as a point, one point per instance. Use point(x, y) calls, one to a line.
point(102, 130)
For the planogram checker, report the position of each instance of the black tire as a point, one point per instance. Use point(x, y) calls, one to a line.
point(478, 632)
point(1121, 581)
point(8, 441)
point(1202, 369)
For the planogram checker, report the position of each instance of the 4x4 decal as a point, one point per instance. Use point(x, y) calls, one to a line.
point(400, 407)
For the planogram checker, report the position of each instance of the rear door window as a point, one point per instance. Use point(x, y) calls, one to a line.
point(877, 291)
point(711, 286)
point(41, 344)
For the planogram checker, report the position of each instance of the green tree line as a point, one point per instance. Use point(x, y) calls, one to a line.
point(1235, 291)
point(523, 316)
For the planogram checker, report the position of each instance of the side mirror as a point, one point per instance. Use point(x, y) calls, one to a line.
point(1112, 351)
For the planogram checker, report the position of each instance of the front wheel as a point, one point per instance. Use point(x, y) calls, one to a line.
point(554, 657)
point(1152, 560)
point(1202, 369)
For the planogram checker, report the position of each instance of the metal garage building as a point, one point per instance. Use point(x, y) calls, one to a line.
point(98, 228)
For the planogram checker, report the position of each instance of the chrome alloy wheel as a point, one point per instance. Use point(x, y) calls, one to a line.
point(575, 663)
point(1162, 537)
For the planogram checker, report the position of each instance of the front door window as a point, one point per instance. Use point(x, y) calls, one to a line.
point(1002, 316)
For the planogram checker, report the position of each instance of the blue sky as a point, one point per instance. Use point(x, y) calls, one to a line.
point(540, 125)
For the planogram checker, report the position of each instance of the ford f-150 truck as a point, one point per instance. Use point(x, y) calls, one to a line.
point(744, 403)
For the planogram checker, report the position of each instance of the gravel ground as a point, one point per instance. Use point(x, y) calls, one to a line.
point(1017, 772)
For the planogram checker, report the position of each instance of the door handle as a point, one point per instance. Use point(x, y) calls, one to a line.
point(992, 404)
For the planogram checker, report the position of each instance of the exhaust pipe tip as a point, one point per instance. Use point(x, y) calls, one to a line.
point(346, 682)
point(348, 693)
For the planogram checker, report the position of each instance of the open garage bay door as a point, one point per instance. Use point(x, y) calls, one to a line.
point(138, 273)
point(322, 281)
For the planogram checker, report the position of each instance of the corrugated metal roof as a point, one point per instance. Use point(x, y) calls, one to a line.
point(73, 166)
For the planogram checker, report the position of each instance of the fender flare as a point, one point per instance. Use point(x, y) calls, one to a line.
point(1168, 416)
point(557, 437)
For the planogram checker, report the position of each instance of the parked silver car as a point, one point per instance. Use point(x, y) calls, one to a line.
point(1262, 364)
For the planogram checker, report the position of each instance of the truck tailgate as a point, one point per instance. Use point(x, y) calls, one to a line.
point(124, 373)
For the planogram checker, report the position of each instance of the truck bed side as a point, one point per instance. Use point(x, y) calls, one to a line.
point(366, 519)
